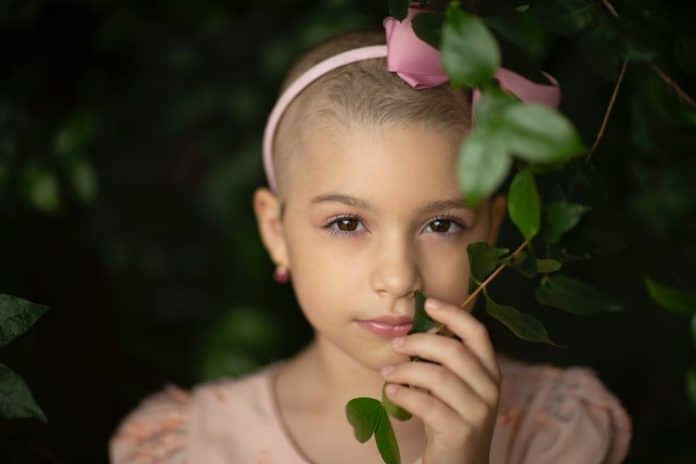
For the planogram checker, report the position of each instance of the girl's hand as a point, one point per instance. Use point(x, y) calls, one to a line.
point(460, 407)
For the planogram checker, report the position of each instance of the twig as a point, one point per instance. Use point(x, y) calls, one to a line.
point(607, 113)
point(667, 80)
point(482, 285)
point(682, 94)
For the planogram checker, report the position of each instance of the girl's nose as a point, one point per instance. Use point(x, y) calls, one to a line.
point(395, 269)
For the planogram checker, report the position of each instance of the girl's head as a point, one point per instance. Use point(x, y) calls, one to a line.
point(367, 206)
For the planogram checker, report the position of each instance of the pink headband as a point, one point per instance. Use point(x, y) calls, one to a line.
point(413, 60)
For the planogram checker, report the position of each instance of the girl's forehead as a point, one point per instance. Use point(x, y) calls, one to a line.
point(390, 164)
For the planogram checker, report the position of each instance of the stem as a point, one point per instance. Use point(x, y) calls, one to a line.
point(667, 80)
point(483, 285)
point(680, 92)
point(600, 133)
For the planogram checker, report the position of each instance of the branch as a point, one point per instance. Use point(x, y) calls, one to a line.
point(667, 80)
point(482, 286)
point(607, 113)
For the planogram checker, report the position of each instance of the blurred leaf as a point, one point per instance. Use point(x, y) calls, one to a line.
point(693, 329)
point(539, 134)
point(483, 164)
point(523, 31)
point(398, 8)
point(17, 316)
point(490, 107)
point(72, 138)
point(84, 180)
point(573, 296)
point(483, 259)
point(529, 266)
point(16, 400)
point(523, 325)
point(548, 265)
point(363, 414)
point(691, 385)
point(386, 440)
point(231, 337)
point(566, 17)
point(670, 298)
point(524, 204)
point(393, 409)
point(560, 217)
point(470, 54)
point(40, 187)
point(421, 320)
point(428, 27)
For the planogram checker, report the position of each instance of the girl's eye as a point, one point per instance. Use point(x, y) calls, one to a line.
point(347, 225)
point(443, 225)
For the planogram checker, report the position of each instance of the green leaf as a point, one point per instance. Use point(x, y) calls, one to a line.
point(693, 329)
point(523, 325)
point(421, 320)
point(669, 298)
point(469, 51)
point(482, 165)
point(524, 204)
point(398, 8)
point(84, 180)
point(17, 316)
point(483, 259)
point(386, 440)
point(393, 409)
point(40, 187)
point(16, 401)
point(691, 385)
point(363, 414)
point(539, 134)
point(428, 27)
point(530, 267)
point(573, 296)
point(491, 105)
point(547, 265)
point(560, 217)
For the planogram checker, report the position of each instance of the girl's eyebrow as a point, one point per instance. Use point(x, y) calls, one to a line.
point(439, 205)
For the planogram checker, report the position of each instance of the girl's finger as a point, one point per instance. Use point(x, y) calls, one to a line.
point(456, 357)
point(443, 384)
point(469, 329)
point(433, 412)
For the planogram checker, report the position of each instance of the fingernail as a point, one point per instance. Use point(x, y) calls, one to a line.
point(386, 370)
point(432, 303)
point(398, 341)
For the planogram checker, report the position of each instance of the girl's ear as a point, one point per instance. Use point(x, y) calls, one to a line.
point(270, 223)
point(498, 209)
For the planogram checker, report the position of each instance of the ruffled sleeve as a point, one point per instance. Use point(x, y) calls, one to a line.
point(155, 432)
point(571, 418)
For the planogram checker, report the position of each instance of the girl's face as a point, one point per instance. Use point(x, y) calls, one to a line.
point(372, 215)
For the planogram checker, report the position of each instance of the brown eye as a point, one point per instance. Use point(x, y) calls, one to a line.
point(347, 224)
point(443, 225)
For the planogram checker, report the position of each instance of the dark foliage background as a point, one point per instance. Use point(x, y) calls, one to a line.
point(130, 145)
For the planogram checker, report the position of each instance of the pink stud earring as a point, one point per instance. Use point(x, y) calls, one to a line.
point(281, 275)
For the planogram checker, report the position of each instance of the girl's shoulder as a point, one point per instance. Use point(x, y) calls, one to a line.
point(550, 414)
point(165, 426)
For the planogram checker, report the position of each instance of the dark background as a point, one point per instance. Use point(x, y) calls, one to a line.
point(130, 145)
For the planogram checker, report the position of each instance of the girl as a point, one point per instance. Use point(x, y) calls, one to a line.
point(364, 208)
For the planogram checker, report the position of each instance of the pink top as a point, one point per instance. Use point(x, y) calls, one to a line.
point(547, 415)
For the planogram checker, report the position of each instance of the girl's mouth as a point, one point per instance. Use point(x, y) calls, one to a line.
point(386, 330)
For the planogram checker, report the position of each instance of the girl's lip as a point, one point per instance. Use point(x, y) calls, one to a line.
point(386, 330)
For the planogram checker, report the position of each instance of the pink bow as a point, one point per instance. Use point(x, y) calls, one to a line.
point(419, 64)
